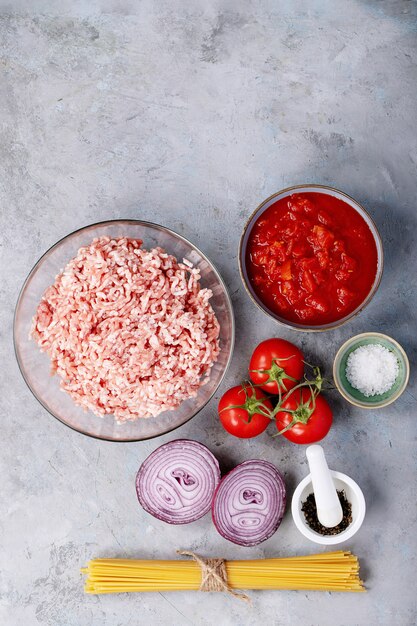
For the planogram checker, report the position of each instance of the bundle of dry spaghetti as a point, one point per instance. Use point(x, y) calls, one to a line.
point(330, 571)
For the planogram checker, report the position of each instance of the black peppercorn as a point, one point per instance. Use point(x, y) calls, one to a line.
point(310, 513)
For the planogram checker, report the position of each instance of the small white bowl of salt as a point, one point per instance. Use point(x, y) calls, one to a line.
point(371, 370)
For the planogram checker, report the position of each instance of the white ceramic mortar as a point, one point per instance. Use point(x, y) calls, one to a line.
point(353, 494)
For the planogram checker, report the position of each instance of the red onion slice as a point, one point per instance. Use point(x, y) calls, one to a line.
point(176, 483)
point(249, 503)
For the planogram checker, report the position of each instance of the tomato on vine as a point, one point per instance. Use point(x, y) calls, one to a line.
point(245, 411)
point(276, 366)
point(304, 416)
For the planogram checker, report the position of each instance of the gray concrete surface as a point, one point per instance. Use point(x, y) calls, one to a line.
point(189, 114)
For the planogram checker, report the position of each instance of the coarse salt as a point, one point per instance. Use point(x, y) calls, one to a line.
point(372, 369)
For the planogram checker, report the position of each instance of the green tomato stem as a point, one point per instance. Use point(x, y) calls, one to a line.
point(276, 374)
point(252, 406)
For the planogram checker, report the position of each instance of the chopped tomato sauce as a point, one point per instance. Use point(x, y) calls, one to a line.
point(311, 258)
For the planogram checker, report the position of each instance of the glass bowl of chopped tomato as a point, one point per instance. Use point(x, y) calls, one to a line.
point(311, 257)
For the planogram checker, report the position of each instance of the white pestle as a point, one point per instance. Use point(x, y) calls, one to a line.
point(329, 509)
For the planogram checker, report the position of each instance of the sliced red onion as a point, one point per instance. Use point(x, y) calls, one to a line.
point(249, 503)
point(176, 483)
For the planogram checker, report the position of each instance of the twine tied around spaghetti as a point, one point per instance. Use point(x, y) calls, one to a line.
point(214, 575)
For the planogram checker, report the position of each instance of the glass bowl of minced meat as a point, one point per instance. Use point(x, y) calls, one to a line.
point(371, 370)
point(123, 330)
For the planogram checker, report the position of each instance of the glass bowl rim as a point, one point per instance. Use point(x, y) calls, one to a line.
point(379, 272)
point(139, 223)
